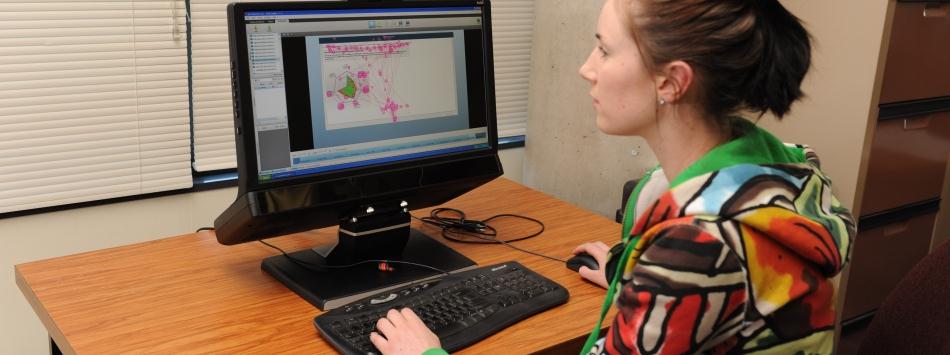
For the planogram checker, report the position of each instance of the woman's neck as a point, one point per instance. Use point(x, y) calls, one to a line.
point(681, 139)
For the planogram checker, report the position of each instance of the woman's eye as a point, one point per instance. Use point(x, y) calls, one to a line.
point(603, 52)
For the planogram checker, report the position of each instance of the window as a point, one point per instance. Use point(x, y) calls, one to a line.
point(95, 101)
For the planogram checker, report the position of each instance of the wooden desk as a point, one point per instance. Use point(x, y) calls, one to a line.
point(189, 294)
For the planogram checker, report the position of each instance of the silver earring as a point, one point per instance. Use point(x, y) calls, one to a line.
point(662, 101)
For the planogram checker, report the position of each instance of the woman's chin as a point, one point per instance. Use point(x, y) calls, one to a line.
point(604, 126)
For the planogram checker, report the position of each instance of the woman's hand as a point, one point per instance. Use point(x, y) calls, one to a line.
point(403, 333)
point(599, 251)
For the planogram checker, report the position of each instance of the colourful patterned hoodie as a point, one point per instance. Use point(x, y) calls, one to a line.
point(736, 255)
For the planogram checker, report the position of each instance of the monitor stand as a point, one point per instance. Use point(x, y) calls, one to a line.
point(380, 232)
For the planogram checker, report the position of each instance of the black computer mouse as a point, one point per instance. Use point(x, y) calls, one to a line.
point(582, 259)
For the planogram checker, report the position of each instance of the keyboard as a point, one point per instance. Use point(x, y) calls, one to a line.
point(460, 308)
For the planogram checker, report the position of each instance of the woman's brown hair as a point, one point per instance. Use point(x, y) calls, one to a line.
point(749, 55)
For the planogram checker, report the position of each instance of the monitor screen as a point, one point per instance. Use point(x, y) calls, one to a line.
point(336, 89)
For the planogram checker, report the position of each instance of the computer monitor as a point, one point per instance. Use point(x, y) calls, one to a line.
point(352, 113)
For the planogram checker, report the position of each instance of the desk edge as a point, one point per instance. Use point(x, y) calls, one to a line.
point(54, 332)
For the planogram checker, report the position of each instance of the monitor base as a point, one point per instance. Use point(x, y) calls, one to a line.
point(328, 288)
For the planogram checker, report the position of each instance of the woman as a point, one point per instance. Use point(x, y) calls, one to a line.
point(730, 244)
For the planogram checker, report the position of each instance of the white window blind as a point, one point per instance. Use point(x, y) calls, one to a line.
point(512, 29)
point(512, 24)
point(93, 101)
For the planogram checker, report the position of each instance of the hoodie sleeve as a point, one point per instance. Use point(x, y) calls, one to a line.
point(687, 294)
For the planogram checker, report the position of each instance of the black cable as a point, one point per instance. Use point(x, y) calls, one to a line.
point(321, 268)
point(480, 229)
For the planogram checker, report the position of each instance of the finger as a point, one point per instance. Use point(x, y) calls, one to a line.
point(409, 315)
point(394, 316)
point(586, 272)
point(378, 341)
point(412, 319)
point(601, 258)
point(384, 326)
point(577, 249)
point(597, 250)
point(582, 248)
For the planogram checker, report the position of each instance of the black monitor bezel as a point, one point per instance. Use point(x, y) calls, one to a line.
point(246, 145)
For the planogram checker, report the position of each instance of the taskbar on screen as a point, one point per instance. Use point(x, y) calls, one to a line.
point(263, 178)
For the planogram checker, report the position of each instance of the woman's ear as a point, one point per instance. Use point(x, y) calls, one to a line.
point(674, 81)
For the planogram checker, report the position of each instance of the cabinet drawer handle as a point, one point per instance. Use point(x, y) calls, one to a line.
point(895, 228)
point(917, 123)
point(934, 11)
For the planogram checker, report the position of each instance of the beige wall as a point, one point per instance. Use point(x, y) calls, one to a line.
point(566, 156)
point(48, 235)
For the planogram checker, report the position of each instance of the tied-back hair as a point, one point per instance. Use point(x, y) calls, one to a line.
point(748, 55)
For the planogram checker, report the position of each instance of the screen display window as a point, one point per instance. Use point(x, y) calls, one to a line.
point(337, 89)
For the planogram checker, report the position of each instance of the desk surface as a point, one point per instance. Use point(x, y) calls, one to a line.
point(190, 294)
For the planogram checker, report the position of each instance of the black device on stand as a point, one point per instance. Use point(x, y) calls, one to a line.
point(351, 113)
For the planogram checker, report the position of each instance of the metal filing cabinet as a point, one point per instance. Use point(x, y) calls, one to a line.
point(908, 156)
